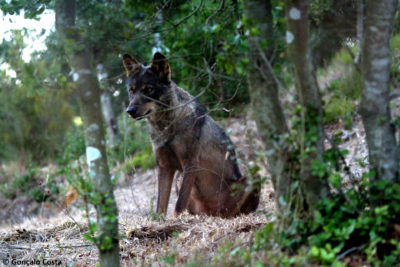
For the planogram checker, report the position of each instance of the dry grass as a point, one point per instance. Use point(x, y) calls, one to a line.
point(145, 239)
point(148, 240)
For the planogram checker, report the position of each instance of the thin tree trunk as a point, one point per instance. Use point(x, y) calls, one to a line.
point(360, 30)
point(312, 143)
point(109, 117)
point(89, 101)
point(375, 110)
point(106, 107)
point(266, 106)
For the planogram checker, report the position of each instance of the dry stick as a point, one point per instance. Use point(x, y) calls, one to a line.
point(134, 199)
point(29, 248)
point(344, 254)
point(66, 211)
point(15, 247)
point(353, 57)
point(226, 77)
point(114, 77)
point(85, 200)
point(77, 246)
point(269, 66)
point(209, 72)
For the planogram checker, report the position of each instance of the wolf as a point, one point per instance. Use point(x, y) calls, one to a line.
point(188, 142)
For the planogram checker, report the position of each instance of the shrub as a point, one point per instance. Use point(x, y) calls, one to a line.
point(341, 97)
point(31, 185)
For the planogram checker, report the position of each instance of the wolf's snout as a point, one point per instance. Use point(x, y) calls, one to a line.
point(131, 111)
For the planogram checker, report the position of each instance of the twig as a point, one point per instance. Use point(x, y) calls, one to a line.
point(347, 252)
point(15, 247)
point(221, 7)
point(77, 246)
point(270, 69)
point(209, 72)
point(30, 248)
point(174, 25)
point(353, 57)
point(66, 211)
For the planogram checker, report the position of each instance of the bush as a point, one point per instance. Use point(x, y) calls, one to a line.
point(73, 146)
point(342, 96)
point(144, 160)
point(31, 185)
point(135, 149)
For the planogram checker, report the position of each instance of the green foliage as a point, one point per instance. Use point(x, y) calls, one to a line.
point(135, 150)
point(82, 182)
point(395, 61)
point(30, 184)
point(359, 222)
point(73, 146)
point(343, 93)
point(206, 51)
point(143, 159)
point(343, 56)
point(27, 127)
point(169, 260)
point(32, 8)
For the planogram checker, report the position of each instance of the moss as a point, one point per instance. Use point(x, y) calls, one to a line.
point(339, 108)
point(344, 56)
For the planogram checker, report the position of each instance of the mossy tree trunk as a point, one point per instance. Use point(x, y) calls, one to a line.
point(269, 116)
point(375, 108)
point(266, 106)
point(315, 188)
point(89, 101)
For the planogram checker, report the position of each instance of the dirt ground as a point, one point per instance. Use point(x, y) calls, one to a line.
point(56, 233)
point(46, 231)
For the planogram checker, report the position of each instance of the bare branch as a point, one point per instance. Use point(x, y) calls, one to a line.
point(220, 9)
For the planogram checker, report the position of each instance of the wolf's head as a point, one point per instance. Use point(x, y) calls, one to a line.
point(148, 86)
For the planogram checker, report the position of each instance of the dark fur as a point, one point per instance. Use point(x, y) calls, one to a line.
point(187, 140)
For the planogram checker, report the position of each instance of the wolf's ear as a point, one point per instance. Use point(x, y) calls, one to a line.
point(130, 64)
point(160, 67)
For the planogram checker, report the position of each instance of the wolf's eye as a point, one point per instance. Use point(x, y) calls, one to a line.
point(149, 90)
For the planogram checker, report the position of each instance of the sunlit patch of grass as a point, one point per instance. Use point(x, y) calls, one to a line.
point(342, 96)
point(342, 93)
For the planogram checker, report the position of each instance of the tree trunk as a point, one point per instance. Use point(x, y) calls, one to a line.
point(106, 108)
point(312, 143)
point(109, 117)
point(266, 106)
point(375, 110)
point(360, 30)
point(89, 102)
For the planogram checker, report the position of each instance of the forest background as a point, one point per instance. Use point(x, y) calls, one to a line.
point(310, 81)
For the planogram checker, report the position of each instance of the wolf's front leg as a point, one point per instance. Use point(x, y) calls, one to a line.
point(189, 176)
point(165, 178)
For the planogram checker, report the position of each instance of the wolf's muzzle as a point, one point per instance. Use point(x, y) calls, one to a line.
point(131, 111)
